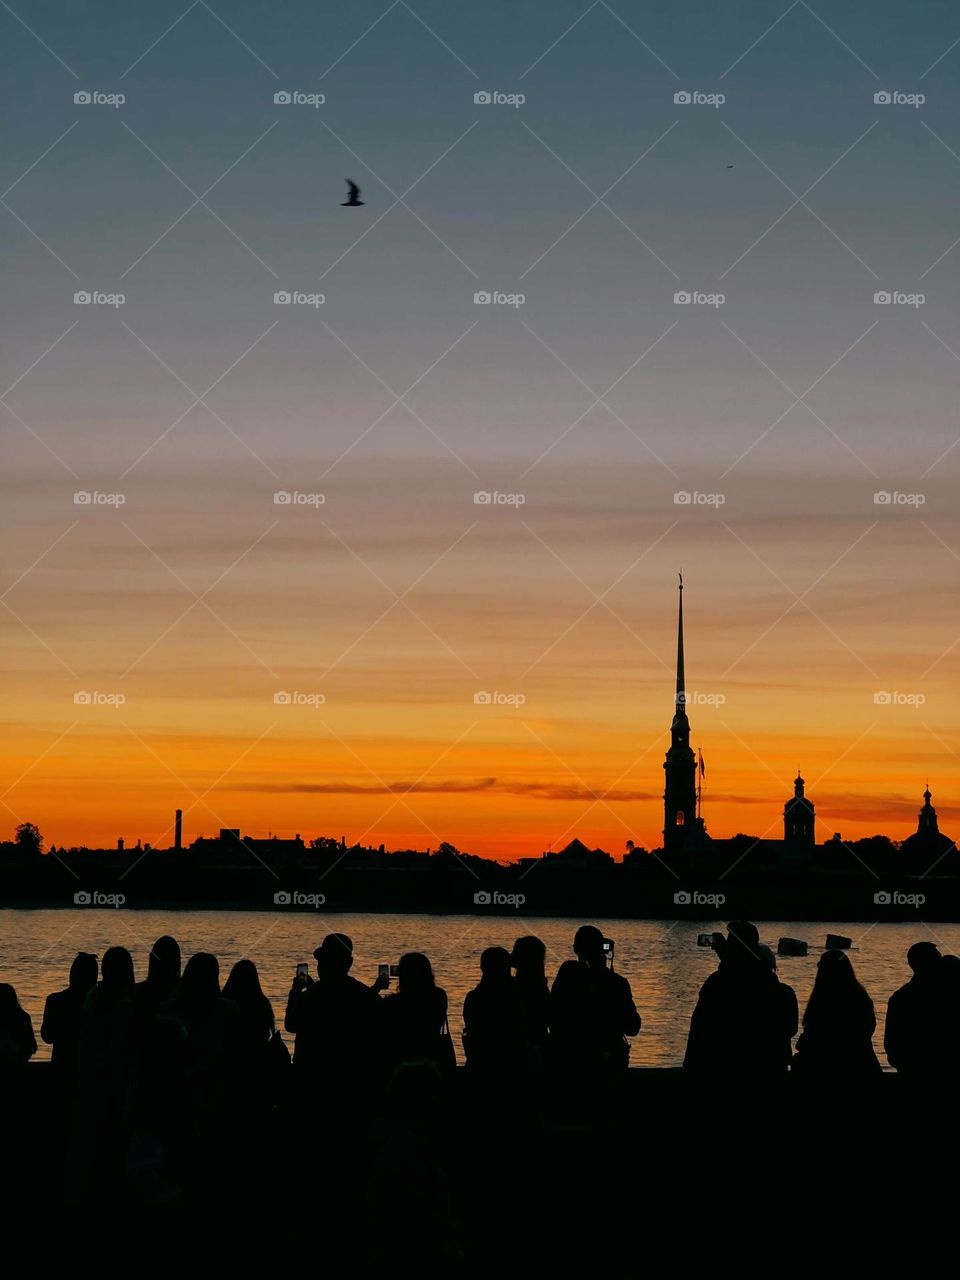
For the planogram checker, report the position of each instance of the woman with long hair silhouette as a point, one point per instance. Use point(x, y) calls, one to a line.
point(838, 1023)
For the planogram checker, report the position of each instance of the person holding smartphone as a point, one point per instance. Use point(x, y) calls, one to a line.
point(415, 1016)
point(591, 1010)
point(336, 1021)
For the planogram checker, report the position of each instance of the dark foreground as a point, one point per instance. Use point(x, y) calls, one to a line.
point(653, 1171)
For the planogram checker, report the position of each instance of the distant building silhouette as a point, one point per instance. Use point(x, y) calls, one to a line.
point(799, 820)
point(928, 843)
point(577, 855)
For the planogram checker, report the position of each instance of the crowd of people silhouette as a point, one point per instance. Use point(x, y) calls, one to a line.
point(158, 1087)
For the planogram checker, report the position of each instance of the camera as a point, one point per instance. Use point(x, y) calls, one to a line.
point(388, 971)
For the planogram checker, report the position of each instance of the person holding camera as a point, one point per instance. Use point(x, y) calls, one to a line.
point(591, 1010)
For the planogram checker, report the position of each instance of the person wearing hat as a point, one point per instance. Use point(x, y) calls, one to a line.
point(336, 1021)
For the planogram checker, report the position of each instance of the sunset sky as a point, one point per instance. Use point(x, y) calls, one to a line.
point(399, 598)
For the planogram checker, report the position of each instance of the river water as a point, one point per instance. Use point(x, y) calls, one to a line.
point(662, 961)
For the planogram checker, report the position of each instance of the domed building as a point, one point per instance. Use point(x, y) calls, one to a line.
point(925, 850)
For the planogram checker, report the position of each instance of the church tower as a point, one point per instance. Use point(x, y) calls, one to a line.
point(799, 819)
point(680, 767)
point(927, 824)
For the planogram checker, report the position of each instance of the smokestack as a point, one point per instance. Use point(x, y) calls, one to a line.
point(178, 832)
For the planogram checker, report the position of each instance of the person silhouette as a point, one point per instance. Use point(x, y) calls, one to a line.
point(211, 1025)
point(921, 1022)
point(25, 1142)
point(415, 1017)
point(62, 1013)
point(267, 1059)
point(163, 974)
point(105, 1075)
point(591, 1010)
point(528, 959)
point(18, 1044)
point(493, 1024)
point(838, 1024)
point(261, 1074)
point(107, 1018)
point(745, 1018)
point(417, 1223)
point(244, 989)
point(950, 982)
point(336, 1021)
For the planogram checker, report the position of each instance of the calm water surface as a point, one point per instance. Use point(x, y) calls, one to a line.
point(662, 961)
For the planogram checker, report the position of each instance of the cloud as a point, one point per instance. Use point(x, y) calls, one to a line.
point(449, 786)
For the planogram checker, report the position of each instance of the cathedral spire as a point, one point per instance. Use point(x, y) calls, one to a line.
point(681, 820)
point(681, 688)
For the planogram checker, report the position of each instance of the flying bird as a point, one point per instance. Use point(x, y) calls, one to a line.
point(353, 191)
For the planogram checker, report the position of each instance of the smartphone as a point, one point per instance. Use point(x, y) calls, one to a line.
point(383, 971)
point(303, 970)
point(608, 947)
point(394, 971)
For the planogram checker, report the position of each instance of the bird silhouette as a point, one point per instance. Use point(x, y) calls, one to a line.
point(353, 192)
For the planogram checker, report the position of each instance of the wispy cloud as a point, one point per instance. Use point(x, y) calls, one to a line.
point(448, 786)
